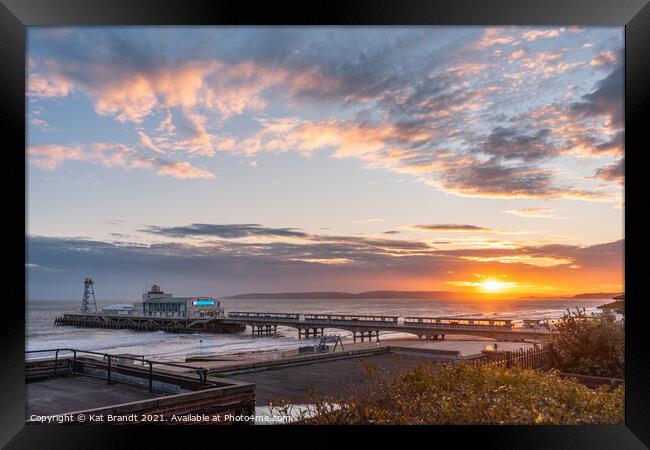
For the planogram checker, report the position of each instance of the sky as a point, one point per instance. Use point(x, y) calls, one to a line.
point(222, 160)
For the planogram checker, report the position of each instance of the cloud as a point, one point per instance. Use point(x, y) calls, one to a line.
point(492, 179)
point(51, 157)
point(129, 89)
point(606, 58)
point(548, 255)
point(616, 145)
point(455, 117)
point(606, 100)
point(226, 231)
point(52, 86)
point(146, 141)
point(184, 170)
point(546, 65)
point(612, 172)
point(533, 35)
point(509, 143)
point(538, 212)
point(347, 262)
point(480, 284)
point(492, 37)
point(405, 149)
point(43, 124)
point(450, 227)
point(517, 54)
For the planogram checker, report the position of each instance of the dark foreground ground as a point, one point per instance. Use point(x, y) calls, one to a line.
point(329, 378)
point(75, 393)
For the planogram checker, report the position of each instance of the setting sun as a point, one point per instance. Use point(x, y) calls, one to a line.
point(493, 286)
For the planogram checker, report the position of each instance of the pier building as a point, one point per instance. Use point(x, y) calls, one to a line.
point(156, 303)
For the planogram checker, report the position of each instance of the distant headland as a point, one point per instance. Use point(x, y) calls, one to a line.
point(430, 295)
point(423, 295)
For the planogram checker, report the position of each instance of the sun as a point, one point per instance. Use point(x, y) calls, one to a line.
point(493, 285)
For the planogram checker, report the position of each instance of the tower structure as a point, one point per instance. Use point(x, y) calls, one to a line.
point(88, 301)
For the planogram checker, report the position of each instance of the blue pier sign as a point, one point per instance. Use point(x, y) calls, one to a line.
point(202, 302)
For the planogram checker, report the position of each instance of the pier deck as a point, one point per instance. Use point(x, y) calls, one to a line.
point(313, 325)
point(149, 323)
point(368, 327)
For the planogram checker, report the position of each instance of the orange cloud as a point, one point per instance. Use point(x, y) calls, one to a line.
point(148, 143)
point(52, 86)
point(132, 95)
point(606, 58)
point(50, 157)
point(492, 37)
point(517, 54)
point(539, 212)
point(184, 170)
point(539, 261)
point(533, 35)
point(450, 227)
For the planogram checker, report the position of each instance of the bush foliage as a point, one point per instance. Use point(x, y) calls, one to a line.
point(590, 345)
point(461, 394)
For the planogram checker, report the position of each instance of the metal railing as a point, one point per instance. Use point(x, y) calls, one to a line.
point(351, 318)
point(541, 357)
point(201, 371)
point(261, 315)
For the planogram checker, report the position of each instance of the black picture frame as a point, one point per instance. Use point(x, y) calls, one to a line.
point(16, 15)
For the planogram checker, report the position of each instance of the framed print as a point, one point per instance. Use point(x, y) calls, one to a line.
point(374, 218)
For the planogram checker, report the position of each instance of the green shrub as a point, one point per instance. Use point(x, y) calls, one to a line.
point(461, 394)
point(590, 345)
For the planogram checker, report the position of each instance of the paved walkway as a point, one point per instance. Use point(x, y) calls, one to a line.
point(335, 378)
point(69, 394)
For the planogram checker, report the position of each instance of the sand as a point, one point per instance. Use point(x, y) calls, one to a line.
point(466, 345)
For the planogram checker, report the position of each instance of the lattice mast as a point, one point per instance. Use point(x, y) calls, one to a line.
point(89, 296)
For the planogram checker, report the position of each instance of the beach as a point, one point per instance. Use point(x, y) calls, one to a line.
point(465, 345)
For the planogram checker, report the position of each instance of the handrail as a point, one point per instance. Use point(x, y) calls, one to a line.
point(202, 371)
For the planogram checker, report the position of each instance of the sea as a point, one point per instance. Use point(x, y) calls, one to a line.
point(41, 334)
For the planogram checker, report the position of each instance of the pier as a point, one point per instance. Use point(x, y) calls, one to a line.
point(169, 324)
point(368, 327)
point(362, 327)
